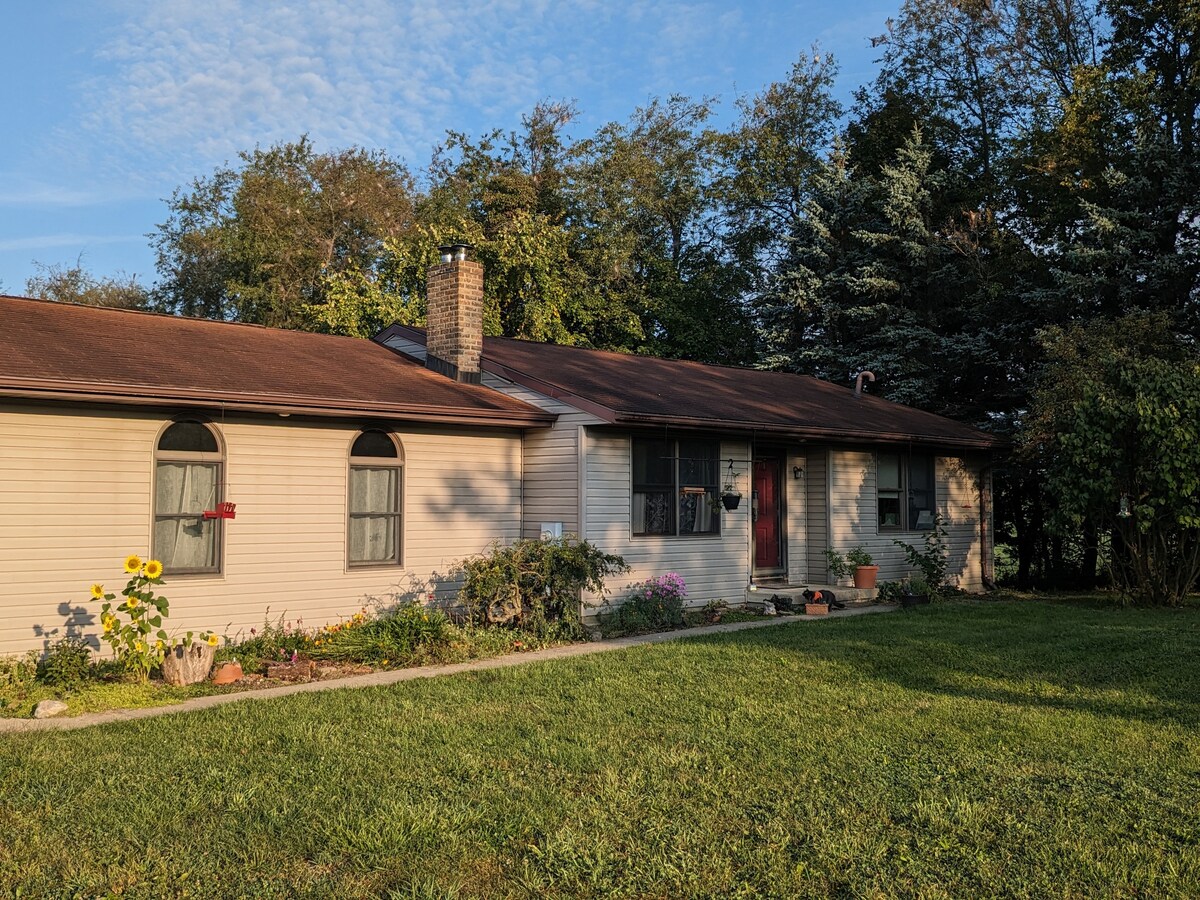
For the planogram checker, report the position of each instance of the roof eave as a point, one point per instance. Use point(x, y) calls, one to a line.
point(801, 432)
point(55, 391)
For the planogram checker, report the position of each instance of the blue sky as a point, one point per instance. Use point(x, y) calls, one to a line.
point(108, 105)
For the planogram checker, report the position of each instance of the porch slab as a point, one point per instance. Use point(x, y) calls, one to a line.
point(851, 596)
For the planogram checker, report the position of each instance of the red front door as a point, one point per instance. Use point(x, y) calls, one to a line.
point(766, 509)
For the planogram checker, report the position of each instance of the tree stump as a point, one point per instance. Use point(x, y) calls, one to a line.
point(187, 665)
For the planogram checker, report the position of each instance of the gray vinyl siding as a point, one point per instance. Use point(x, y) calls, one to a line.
point(795, 527)
point(816, 518)
point(714, 567)
point(550, 459)
point(853, 499)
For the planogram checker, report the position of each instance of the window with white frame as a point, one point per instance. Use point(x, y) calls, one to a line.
point(675, 487)
point(376, 485)
point(906, 491)
point(188, 467)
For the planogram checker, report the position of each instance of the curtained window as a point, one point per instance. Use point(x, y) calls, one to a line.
point(906, 493)
point(675, 488)
point(188, 469)
point(376, 476)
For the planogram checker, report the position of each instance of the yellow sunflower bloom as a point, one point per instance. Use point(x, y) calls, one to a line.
point(132, 602)
point(108, 625)
point(98, 591)
point(133, 564)
point(154, 568)
point(213, 640)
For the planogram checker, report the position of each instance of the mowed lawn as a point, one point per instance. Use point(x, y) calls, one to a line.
point(966, 750)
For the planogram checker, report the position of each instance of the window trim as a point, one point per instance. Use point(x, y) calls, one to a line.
point(376, 462)
point(193, 458)
point(905, 459)
point(676, 488)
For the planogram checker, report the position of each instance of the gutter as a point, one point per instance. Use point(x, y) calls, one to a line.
point(832, 435)
point(279, 405)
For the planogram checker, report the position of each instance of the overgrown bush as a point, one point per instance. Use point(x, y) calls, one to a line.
point(654, 605)
point(67, 664)
point(18, 676)
point(933, 558)
point(393, 638)
point(535, 585)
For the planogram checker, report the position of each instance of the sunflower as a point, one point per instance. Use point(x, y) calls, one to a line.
point(213, 640)
point(108, 625)
point(133, 563)
point(131, 601)
point(98, 591)
point(154, 568)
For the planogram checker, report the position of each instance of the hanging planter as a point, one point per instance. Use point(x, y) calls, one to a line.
point(731, 500)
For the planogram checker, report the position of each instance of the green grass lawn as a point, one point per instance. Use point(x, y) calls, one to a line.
point(963, 750)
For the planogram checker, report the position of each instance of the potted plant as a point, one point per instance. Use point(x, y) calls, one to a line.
point(838, 567)
point(731, 496)
point(916, 592)
point(865, 571)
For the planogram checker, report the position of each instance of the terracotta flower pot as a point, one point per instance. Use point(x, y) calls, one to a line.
point(864, 577)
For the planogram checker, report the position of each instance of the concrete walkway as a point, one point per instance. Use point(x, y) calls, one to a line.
point(377, 679)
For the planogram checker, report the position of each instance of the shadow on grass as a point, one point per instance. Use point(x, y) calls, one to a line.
point(1129, 663)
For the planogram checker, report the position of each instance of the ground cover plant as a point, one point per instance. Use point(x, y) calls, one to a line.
point(969, 749)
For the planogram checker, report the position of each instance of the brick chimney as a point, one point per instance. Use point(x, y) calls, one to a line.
point(454, 332)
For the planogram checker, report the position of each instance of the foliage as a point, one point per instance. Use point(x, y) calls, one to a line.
point(18, 674)
point(656, 771)
point(859, 556)
point(838, 566)
point(393, 638)
point(932, 558)
point(655, 604)
point(67, 663)
point(535, 585)
point(890, 591)
point(134, 627)
point(262, 242)
point(74, 284)
point(1121, 447)
point(279, 639)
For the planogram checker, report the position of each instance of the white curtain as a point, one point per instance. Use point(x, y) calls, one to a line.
point(374, 508)
point(186, 489)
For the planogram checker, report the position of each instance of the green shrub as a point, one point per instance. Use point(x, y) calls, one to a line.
point(67, 664)
point(654, 605)
point(394, 638)
point(274, 642)
point(859, 556)
point(534, 585)
point(18, 676)
point(932, 559)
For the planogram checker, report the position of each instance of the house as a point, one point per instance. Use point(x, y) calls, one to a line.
point(362, 469)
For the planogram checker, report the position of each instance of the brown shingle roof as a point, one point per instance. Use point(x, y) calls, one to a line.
point(645, 390)
point(62, 351)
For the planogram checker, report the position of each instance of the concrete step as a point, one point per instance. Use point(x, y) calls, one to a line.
point(851, 596)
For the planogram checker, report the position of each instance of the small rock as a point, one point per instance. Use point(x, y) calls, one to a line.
point(769, 608)
point(227, 673)
point(48, 708)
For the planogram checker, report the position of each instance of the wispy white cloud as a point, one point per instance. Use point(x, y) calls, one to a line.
point(190, 84)
point(21, 192)
point(46, 241)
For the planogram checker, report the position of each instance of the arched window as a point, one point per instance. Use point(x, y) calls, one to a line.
point(376, 485)
point(188, 478)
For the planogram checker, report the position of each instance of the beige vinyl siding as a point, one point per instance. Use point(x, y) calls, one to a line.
point(714, 567)
point(550, 459)
point(75, 499)
point(795, 526)
point(816, 519)
point(853, 515)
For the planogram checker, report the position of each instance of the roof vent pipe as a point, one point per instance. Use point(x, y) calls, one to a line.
point(858, 382)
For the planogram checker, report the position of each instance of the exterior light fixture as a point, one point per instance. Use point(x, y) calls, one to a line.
point(797, 472)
